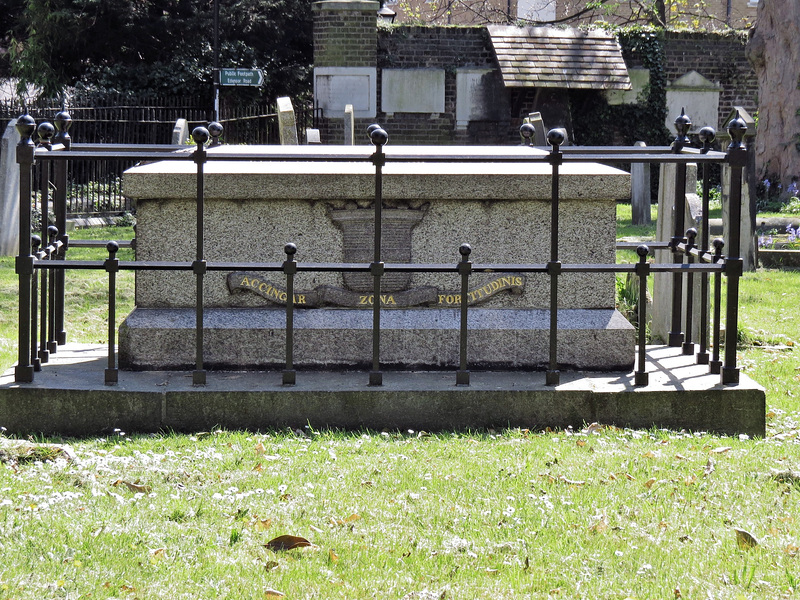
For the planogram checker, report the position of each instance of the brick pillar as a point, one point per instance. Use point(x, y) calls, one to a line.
point(345, 33)
point(345, 62)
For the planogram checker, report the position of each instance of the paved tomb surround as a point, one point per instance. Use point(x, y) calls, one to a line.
point(254, 208)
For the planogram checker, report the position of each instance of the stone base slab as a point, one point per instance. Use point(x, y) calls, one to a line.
point(247, 339)
point(68, 397)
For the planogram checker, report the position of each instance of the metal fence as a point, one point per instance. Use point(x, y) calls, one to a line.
point(95, 185)
point(42, 261)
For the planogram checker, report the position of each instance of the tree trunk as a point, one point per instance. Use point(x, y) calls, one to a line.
point(774, 52)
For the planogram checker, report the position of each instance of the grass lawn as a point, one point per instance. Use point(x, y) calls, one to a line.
point(598, 513)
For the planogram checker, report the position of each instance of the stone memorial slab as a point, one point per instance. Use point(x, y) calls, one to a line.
point(412, 91)
point(336, 87)
point(698, 96)
point(9, 191)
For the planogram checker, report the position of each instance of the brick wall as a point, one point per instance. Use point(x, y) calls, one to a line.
point(719, 57)
point(345, 34)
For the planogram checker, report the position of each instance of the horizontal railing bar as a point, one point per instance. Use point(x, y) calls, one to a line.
point(98, 243)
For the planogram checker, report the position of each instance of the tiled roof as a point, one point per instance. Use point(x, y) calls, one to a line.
point(563, 58)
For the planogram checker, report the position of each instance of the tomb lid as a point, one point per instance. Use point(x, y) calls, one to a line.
point(560, 58)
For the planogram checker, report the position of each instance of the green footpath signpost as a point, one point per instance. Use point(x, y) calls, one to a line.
point(241, 77)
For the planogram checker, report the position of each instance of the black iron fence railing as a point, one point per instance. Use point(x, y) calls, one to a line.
point(109, 122)
point(42, 261)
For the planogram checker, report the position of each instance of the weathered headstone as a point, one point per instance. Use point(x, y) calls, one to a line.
point(539, 133)
point(661, 324)
point(349, 125)
point(312, 136)
point(180, 133)
point(9, 192)
point(640, 191)
point(287, 124)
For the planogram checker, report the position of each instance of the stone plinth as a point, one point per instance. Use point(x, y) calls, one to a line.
point(254, 208)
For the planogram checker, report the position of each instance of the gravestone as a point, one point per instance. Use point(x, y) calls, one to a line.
point(349, 125)
point(661, 323)
point(539, 135)
point(696, 95)
point(180, 133)
point(312, 136)
point(287, 124)
point(9, 191)
point(640, 191)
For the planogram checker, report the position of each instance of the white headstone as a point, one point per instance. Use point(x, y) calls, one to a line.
point(9, 191)
point(180, 133)
point(412, 91)
point(698, 96)
point(287, 125)
point(312, 136)
point(349, 126)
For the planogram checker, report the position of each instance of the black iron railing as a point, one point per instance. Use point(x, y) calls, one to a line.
point(42, 261)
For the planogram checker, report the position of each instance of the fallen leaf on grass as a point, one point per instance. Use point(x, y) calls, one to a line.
point(744, 539)
point(792, 550)
point(571, 481)
point(600, 526)
point(649, 483)
point(270, 593)
point(136, 488)
point(720, 449)
point(263, 525)
point(287, 542)
point(332, 556)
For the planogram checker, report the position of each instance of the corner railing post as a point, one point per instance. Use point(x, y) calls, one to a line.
point(715, 366)
point(688, 344)
point(200, 136)
point(642, 378)
point(112, 267)
point(737, 159)
point(289, 269)
point(555, 137)
point(23, 372)
point(379, 138)
point(63, 122)
point(464, 269)
point(36, 243)
point(707, 136)
point(682, 126)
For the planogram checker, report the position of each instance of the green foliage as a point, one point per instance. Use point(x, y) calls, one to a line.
point(152, 47)
point(598, 123)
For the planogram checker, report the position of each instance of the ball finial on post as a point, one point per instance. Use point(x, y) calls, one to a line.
point(557, 137)
point(526, 130)
point(25, 127)
point(682, 126)
point(200, 135)
point(736, 129)
point(377, 135)
point(215, 130)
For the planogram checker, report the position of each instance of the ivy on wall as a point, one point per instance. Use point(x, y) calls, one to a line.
point(598, 123)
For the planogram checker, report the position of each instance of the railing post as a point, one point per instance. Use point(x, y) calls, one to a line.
point(379, 138)
point(52, 254)
point(200, 136)
point(715, 366)
point(688, 345)
point(289, 269)
point(707, 136)
point(23, 372)
point(737, 159)
point(642, 378)
point(36, 243)
point(555, 137)
point(112, 268)
point(464, 269)
point(63, 122)
point(682, 126)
